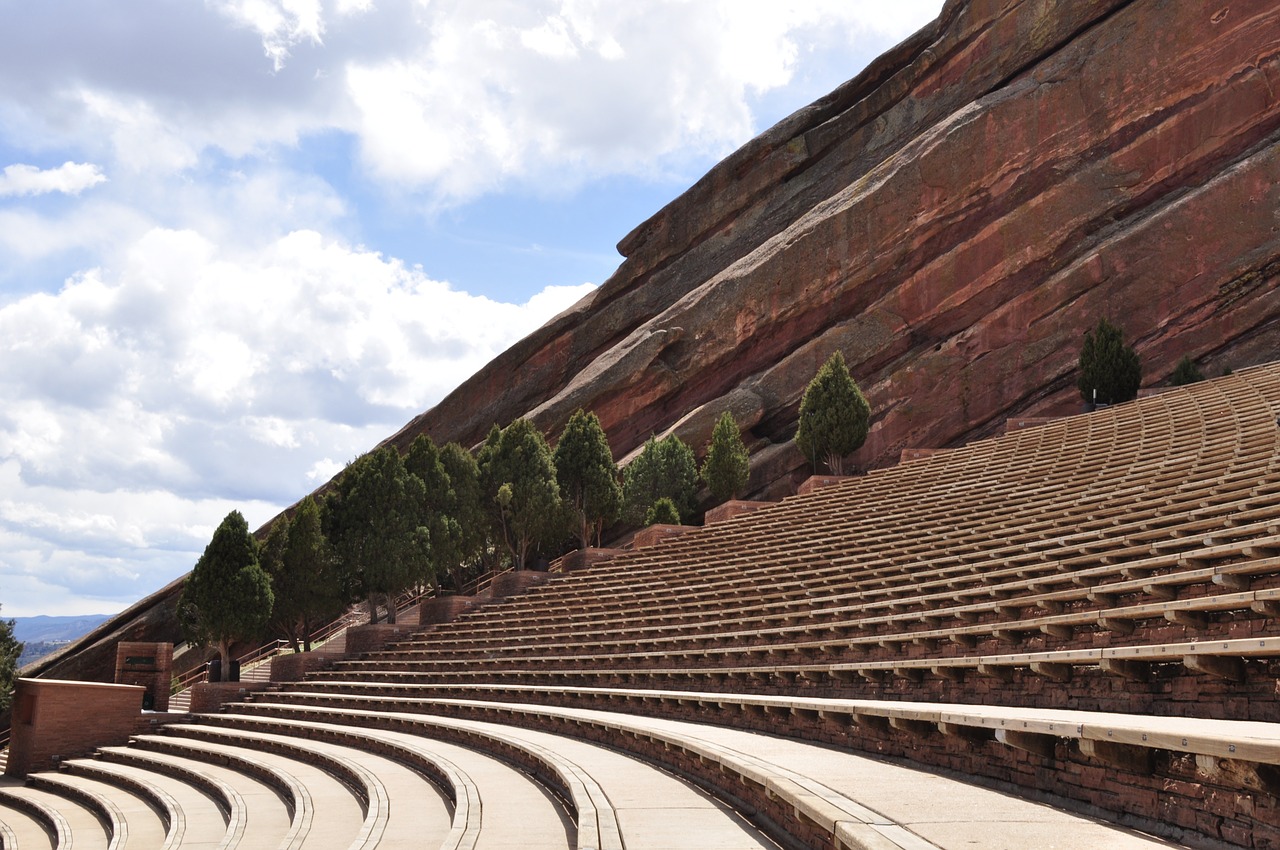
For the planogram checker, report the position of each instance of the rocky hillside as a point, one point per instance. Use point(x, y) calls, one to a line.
point(952, 220)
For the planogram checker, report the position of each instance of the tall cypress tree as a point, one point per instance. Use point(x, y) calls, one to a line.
point(373, 518)
point(1110, 371)
point(10, 651)
point(727, 466)
point(664, 468)
point(834, 416)
point(526, 496)
point(587, 476)
point(227, 596)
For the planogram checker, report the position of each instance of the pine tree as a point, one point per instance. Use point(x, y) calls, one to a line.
point(227, 596)
point(834, 416)
point(727, 466)
point(664, 468)
point(10, 651)
point(587, 476)
point(1110, 372)
point(467, 511)
point(309, 586)
point(526, 497)
point(438, 508)
point(373, 519)
point(1185, 373)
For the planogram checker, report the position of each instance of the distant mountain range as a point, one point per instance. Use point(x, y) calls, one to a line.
point(44, 634)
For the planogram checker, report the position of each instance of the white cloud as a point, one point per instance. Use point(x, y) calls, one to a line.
point(70, 178)
point(145, 401)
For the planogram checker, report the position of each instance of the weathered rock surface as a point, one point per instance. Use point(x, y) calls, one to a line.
point(953, 219)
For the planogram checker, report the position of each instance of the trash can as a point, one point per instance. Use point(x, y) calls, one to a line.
point(215, 670)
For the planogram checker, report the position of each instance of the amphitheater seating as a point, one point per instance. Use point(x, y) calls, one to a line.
point(1083, 611)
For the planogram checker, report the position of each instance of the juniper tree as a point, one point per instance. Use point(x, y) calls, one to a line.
point(1185, 373)
point(727, 466)
point(834, 416)
point(1110, 371)
point(309, 585)
point(10, 651)
point(587, 476)
point(526, 499)
point(227, 596)
point(438, 507)
point(372, 518)
point(468, 510)
point(664, 468)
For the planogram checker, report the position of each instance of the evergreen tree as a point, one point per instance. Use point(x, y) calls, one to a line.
point(663, 468)
point(526, 497)
point(662, 512)
point(373, 521)
point(10, 651)
point(308, 586)
point(1108, 366)
point(468, 510)
point(727, 466)
point(587, 476)
point(834, 416)
point(1185, 373)
point(227, 597)
point(439, 506)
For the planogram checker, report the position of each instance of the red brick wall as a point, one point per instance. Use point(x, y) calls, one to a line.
point(54, 718)
point(731, 509)
point(155, 677)
point(208, 697)
point(443, 609)
point(656, 533)
point(294, 666)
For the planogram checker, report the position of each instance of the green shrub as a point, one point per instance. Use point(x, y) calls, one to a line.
point(834, 416)
point(662, 512)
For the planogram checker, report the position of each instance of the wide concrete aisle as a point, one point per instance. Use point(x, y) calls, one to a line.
point(264, 817)
point(517, 811)
point(948, 813)
point(407, 809)
point(655, 810)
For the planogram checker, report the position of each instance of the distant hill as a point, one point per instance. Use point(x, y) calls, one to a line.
point(43, 634)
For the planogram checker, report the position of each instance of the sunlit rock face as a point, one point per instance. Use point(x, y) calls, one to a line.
point(953, 219)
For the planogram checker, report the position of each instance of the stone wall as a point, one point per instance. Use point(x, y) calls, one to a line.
point(55, 720)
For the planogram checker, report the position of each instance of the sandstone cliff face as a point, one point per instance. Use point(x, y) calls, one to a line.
point(953, 219)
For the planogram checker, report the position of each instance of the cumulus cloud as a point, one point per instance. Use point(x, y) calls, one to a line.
point(450, 100)
point(70, 178)
point(143, 400)
point(204, 330)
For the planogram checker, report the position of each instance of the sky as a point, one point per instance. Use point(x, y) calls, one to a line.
point(243, 241)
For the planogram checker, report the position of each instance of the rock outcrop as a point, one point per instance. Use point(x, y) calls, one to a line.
point(952, 219)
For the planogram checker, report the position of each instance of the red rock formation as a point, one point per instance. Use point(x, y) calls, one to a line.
point(952, 220)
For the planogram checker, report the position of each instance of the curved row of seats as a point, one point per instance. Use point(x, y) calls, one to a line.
point(1083, 612)
point(1124, 565)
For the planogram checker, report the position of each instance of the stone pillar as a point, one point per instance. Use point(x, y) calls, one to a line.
point(55, 720)
point(731, 509)
point(657, 533)
point(443, 609)
point(149, 665)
